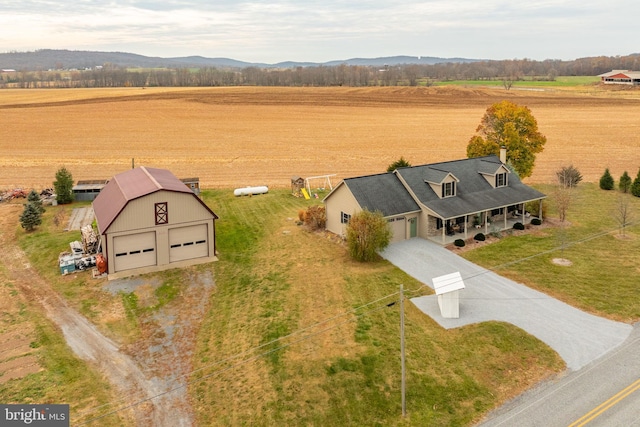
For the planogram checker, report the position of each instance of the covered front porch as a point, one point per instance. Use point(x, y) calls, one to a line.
point(447, 230)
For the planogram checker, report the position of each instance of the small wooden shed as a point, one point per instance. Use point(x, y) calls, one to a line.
point(447, 289)
point(297, 184)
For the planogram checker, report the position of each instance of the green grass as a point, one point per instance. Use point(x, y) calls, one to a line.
point(64, 379)
point(262, 281)
point(603, 276)
point(263, 359)
point(561, 81)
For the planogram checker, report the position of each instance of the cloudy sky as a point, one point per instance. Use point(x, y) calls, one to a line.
point(317, 31)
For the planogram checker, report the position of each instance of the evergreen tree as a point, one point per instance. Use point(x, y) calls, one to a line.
point(34, 199)
point(606, 181)
point(30, 217)
point(63, 186)
point(635, 187)
point(625, 182)
point(400, 163)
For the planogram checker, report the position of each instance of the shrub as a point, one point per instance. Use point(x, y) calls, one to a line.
point(569, 176)
point(606, 181)
point(536, 221)
point(518, 226)
point(367, 233)
point(459, 243)
point(479, 237)
point(315, 217)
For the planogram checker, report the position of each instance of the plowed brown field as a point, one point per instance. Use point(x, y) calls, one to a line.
point(232, 137)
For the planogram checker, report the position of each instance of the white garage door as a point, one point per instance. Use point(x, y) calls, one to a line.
point(398, 229)
point(134, 251)
point(188, 242)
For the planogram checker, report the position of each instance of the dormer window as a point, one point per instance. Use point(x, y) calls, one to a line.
point(449, 189)
point(501, 180)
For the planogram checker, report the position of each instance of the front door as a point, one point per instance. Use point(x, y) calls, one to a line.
point(413, 227)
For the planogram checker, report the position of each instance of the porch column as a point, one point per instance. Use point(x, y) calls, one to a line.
point(486, 222)
point(540, 209)
point(504, 214)
point(444, 232)
point(466, 220)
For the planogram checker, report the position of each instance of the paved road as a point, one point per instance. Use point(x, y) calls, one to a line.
point(578, 337)
point(604, 393)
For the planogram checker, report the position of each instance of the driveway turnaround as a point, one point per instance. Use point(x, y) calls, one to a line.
point(578, 337)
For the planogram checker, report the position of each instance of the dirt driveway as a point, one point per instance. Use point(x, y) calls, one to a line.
point(578, 337)
point(139, 378)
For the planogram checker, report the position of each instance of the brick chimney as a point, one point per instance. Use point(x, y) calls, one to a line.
point(503, 154)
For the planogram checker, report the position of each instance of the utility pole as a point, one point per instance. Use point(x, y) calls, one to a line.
point(403, 384)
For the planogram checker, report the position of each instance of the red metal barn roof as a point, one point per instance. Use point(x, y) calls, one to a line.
point(131, 185)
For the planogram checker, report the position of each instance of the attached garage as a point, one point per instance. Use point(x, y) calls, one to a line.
point(151, 221)
point(188, 242)
point(398, 226)
point(134, 251)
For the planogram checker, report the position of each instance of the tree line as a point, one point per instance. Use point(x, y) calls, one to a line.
point(111, 75)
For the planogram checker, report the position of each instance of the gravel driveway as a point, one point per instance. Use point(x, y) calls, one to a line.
point(578, 337)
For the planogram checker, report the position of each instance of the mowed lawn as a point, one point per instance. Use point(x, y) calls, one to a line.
point(605, 262)
point(297, 333)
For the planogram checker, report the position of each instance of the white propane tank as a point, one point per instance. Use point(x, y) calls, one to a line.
point(248, 191)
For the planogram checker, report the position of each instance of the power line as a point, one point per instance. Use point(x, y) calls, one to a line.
point(251, 359)
point(325, 321)
point(253, 349)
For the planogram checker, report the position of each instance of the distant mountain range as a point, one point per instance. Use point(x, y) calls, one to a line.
point(46, 59)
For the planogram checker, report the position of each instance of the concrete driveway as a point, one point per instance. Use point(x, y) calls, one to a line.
point(578, 337)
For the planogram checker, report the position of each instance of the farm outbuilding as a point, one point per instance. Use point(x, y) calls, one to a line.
point(149, 221)
point(88, 190)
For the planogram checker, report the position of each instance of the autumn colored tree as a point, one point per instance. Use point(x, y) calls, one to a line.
point(512, 126)
point(367, 233)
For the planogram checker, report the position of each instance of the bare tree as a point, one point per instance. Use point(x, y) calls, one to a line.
point(623, 213)
point(563, 200)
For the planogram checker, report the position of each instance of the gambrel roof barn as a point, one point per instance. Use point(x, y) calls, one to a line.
point(149, 220)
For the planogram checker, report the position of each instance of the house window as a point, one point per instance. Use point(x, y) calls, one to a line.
point(501, 180)
point(162, 214)
point(345, 218)
point(449, 189)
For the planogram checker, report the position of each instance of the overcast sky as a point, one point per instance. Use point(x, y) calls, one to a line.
point(317, 31)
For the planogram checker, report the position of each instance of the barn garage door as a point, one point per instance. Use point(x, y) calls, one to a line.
point(134, 250)
point(188, 242)
point(398, 229)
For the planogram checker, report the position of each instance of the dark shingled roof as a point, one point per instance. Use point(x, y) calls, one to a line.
point(382, 192)
point(473, 192)
point(387, 193)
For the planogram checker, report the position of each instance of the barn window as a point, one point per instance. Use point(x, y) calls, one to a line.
point(345, 218)
point(162, 214)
